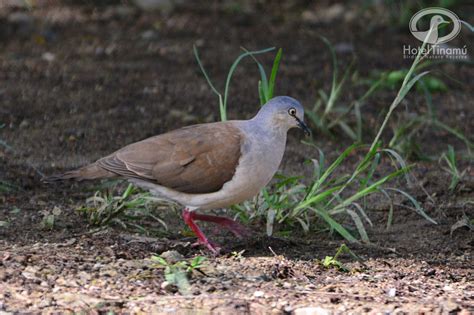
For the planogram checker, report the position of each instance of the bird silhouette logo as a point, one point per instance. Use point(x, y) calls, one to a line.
point(439, 17)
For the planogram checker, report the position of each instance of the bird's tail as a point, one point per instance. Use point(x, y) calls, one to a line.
point(91, 171)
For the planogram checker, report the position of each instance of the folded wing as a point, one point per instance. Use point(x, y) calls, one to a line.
point(195, 159)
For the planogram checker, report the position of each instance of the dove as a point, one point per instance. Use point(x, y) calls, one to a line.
point(205, 166)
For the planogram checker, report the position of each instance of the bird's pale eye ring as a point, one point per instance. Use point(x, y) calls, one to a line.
point(292, 111)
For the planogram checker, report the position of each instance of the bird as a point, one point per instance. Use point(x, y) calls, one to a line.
point(435, 21)
point(205, 166)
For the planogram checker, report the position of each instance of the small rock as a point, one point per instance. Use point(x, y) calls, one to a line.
point(30, 273)
point(3, 275)
point(149, 34)
point(311, 311)
point(184, 116)
point(344, 48)
point(45, 303)
point(450, 307)
point(48, 56)
point(172, 256)
point(211, 289)
point(167, 286)
point(97, 267)
point(165, 6)
point(23, 22)
point(84, 276)
point(392, 292)
point(20, 259)
point(24, 124)
point(327, 15)
point(287, 285)
point(258, 294)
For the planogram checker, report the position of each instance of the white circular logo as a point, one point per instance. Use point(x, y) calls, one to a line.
point(439, 17)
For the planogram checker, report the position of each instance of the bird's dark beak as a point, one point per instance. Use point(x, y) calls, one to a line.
point(303, 126)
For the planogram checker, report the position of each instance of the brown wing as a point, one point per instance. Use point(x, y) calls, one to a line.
point(195, 159)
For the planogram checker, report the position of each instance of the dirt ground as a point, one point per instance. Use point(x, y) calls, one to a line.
point(78, 82)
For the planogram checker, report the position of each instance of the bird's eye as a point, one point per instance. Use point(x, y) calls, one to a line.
point(292, 111)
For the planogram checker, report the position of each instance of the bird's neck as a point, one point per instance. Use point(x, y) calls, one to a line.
point(267, 125)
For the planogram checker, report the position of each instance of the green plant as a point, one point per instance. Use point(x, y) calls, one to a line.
point(450, 158)
point(408, 130)
point(224, 97)
point(266, 87)
point(333, 262)
point(4, 185)
point(292, 202)
point(329, 194)
point(8, 187)
point(125, 210)
point(327, 113)
point(49, 218)
point(237, 255)
point(178, 273)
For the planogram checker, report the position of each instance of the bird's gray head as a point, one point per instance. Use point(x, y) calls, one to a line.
point(437, 20)
point(283, 113)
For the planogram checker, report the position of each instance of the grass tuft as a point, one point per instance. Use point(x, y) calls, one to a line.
point(223, 97)
point(127, 210)
point(177, 273)
point(332, 197)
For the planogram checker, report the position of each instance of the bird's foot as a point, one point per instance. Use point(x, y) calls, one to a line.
point(238, 229)
point(189, 217)
point(213, 247)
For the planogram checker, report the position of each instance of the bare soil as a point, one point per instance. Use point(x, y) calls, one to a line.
point(78, 82)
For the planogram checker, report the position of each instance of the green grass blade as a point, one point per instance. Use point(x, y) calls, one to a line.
point(276, 65)
point(196, 55)
point(335, 225)
point(334, 70)
point(373, 166)
point(456, 133)
point(333, 166)
point(370, 189)
point(359, 225)
point(316, 199)
point(261, 93)
point(400, 161)
point(234, 66)
point(418, 208)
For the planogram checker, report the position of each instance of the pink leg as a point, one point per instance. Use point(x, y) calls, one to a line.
point(227, 223)
point(189, 217)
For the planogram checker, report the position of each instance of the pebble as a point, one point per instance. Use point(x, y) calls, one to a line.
point(450, 307)
point(30, 273)
point(392, 292)
point(3, 275)
point(172, 256)
point(24, 124)
point(48, 56)
point(169, 287)
point(166, 6)
point(258, 294)
point(148, 34)
point(287, 285)
point(311, 311)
